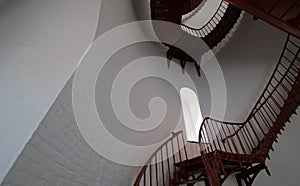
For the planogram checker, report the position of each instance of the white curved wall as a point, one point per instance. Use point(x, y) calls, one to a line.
point(57, 154)
point(57, 146)
point(41, 43)
point(198, 20)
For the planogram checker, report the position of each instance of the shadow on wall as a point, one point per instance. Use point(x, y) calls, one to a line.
point(141, 9)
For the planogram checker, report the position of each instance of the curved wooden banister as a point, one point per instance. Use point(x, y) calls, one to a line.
point(225, 122)
point(222, 29)
point(283, 14)
point(173, 150)
point(210, 25)
point(192, 13)
point(231, 147)
point(251, 140)
point(212, 33)
point(258, 104)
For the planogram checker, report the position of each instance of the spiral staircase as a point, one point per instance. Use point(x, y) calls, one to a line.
point(212, 33)
point(228, 148)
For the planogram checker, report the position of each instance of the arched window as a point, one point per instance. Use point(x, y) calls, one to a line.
point(191, 113)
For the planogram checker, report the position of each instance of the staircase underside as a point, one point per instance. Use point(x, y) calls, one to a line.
point(212, 33)
point(236, 148)
point(284, 14)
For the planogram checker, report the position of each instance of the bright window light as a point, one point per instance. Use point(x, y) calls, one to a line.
point(191, 113)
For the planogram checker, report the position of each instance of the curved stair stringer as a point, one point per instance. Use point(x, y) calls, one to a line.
point(233, 148)
point(223, 28)
point(164, 48)
point(216, 49)
point(218, 44)
point(159, 168)
point(247, 144)
point(193, 12)
point(215, 33)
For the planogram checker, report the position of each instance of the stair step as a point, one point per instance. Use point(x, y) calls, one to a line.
point(195, 160)
point(191, 170)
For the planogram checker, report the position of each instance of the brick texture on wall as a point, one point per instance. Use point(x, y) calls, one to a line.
point(57, 154)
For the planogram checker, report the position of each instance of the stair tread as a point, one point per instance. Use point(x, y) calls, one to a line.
point(197, 159)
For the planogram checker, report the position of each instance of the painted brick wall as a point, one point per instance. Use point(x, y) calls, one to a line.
point(58, 155)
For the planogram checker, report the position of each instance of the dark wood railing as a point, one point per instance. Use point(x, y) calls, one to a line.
point(213, 32)
point(187, 16)
point(284, 14)
point(230, 147)
point(210, 25)
point(218, 27)
point(159, 169)
point(250, 141)
point(243, 144)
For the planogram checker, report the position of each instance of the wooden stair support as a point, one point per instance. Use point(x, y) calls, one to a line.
point(250, 142)
point(212, 33)
point(284, 14)
point(239, 148)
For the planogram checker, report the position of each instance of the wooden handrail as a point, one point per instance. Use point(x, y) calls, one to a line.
point(257, 133)
point(211, 23)
point(213, 32)
point(261, 12)
point(193, 12)
point(258, 105)
point(242, 142)
point(170, 157)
